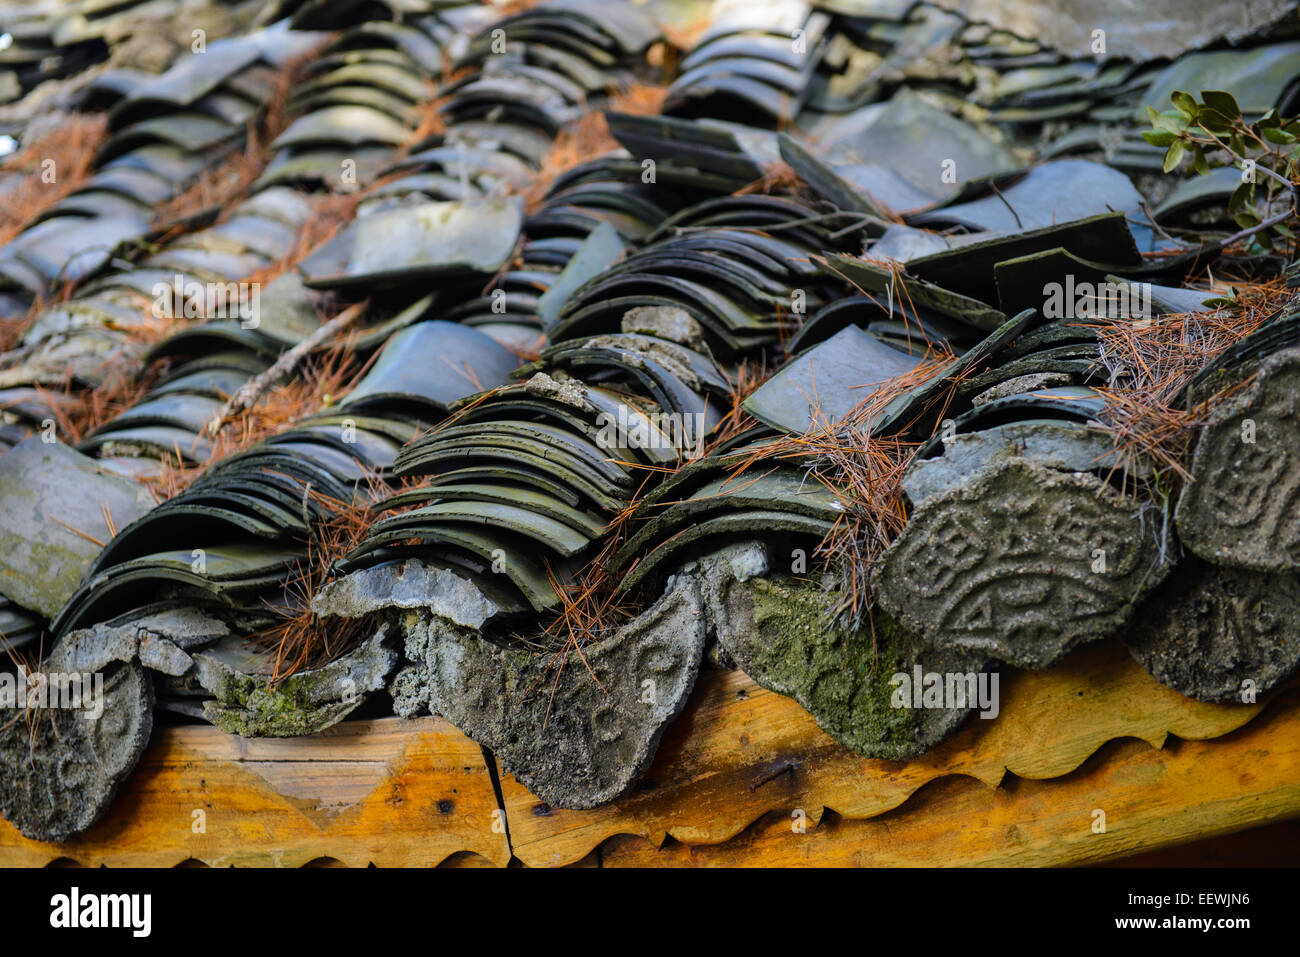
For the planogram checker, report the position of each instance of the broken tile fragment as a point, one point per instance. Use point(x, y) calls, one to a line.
point(577, 733)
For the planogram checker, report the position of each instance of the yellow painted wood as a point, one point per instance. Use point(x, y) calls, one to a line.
point(418, 793)
point(392, 792)
point(740, 752)
point(1151, 798)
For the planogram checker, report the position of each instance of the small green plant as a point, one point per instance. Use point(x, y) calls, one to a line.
point(1214, 133)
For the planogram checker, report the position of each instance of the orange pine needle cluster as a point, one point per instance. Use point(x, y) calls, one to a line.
point(71, 147)
point(589, 137)
point(1152, 361)
point(864, 472)
point(301, 640)
point(319, 379)
point(222, 185)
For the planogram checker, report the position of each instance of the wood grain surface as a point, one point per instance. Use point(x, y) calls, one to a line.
point(744, 776)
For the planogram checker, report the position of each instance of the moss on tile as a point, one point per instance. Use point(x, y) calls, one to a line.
point(781, 633)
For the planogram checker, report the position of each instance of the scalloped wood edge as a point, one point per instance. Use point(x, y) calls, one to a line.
point(739, 752)
point(1147, 799)
point(392, 792)
point(419, 793)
